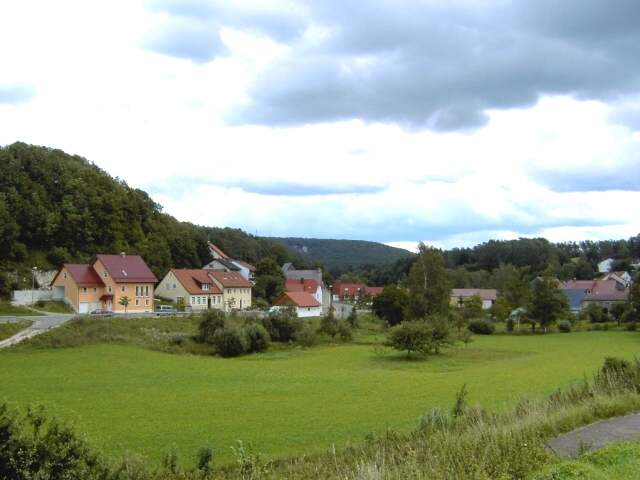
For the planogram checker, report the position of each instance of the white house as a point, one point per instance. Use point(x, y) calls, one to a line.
point(487, 295)
point(305, 285)
point(605, 265)
point(305, 304)
point(221, 261)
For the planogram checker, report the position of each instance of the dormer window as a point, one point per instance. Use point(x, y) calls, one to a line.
point(205, 286)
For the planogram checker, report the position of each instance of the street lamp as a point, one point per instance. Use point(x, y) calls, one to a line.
point(33, 282)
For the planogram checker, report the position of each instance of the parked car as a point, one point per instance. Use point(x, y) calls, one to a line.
point(166, 310)
point(102, 312)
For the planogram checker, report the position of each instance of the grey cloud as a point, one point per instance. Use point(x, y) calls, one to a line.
point(184, 38)
point(178, 186)
point(193, 26)
point(442, 66)
point(16, 93)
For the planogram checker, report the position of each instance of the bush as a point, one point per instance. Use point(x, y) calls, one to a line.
point(344, 332)
point(257, 337)
point(631, 326)
point(564, 326)
point(329, 324)
point(212, 321)
point(595, 313)
point(482, 327)
point(510, 325)
point(307, 336)
point(282, 325)
point(353, 318)
point(410, 337)
point(435, 420)
point(230, 341)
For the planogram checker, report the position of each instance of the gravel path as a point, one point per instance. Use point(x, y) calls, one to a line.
point(40, 324)
point(596, 435)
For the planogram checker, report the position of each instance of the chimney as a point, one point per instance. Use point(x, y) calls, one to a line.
point(122, 254)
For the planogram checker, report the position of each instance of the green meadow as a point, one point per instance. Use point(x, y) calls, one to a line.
point(127, 398)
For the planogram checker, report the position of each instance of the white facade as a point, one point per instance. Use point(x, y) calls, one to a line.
point(605, 265)
point(303, 312)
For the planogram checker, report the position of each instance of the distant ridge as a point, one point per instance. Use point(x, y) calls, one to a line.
point(342, 253)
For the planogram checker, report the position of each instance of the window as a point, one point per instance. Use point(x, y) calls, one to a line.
point(193, 300)
point(109, 289)
point(105, 274)
point(174, 286)
point(95, 290)
point(180, 300)
point(84, 290)
point(137, 291)
point(123, 289)
point(137, 301)
point(146, 291)
point(64, 275)
point(205, 286)
point(146, 302)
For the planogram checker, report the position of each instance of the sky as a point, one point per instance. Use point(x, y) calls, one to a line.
point(449, 122)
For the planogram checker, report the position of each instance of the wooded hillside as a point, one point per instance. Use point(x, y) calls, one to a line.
point(56, 208)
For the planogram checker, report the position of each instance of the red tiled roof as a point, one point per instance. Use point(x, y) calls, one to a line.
point(217, 249)
point(83, 275)
point(608, 295)
point(301, 285)
point(127, 268)
point(193, 280)
point(373, 291)
point(483, 293)
point(298, 299)
point(230, 279)
point(579, 284)
point(351, 289)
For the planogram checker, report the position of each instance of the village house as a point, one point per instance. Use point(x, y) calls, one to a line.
point(487, 295)
point(604, 292)
point(305, 304)
point(202, 289)
point(105, 282)
point(304, 285)
point(221, 261)
point(292, 274)
point(354, 291)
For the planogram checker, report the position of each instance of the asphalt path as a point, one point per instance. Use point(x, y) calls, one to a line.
point(41, 323)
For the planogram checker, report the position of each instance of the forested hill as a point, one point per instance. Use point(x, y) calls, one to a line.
point(342, 253)
point(56, 208)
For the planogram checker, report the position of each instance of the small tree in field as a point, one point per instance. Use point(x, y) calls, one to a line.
point(124, 301)
point(472, 307)
point(352, 319)
point(410, 337)
point(329, 324)
point(212, 320)
point(465, 337)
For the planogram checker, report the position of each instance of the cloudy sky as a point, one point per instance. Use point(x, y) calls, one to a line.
point(450, 122)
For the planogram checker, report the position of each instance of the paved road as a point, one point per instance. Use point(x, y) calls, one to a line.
point(596, 435)
point(40, 324)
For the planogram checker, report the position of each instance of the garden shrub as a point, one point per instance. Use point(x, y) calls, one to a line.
point(631, 326)
point(329, 324)
point(212, 320)
point(282, 325)
point(482, 327)
point(307, 336)
point(257, 337)
point(344, 332)
point(564, 326)
point(230, 341)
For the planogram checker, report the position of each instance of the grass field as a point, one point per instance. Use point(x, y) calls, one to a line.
point(7, 309)
point(10, 329)
point(127, 398)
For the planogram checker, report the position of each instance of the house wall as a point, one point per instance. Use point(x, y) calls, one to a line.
point(216, 302)
point(166, 289)
point(70, 288)
point(303, 312)
point(239, 297)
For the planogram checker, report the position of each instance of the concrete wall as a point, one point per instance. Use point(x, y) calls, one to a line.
point(23, 297)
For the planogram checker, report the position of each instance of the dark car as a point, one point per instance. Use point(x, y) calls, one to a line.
point(102, 312)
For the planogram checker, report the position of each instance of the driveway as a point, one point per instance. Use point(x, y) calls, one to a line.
point(41, 323)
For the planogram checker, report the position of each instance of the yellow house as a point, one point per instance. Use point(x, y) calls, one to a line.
point(105, 282)
point(205, 288)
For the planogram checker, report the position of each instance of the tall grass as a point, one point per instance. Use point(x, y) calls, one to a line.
point(467, 442)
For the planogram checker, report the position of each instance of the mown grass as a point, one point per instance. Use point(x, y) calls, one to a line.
point(615, 462)
point(286, 401)
point(7, 309)
point(9, 329)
